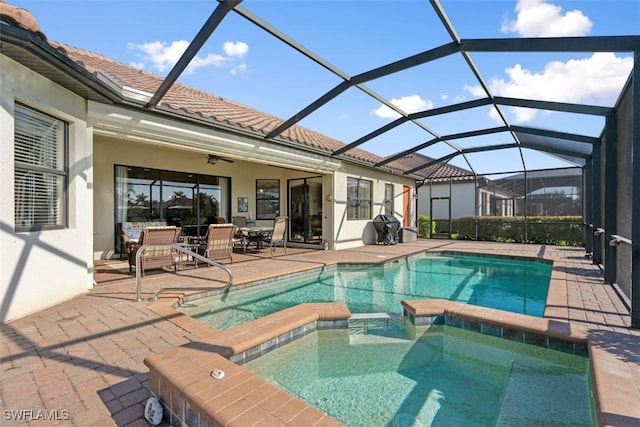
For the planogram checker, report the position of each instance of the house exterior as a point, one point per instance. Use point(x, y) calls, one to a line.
point(81, 153)
point(450, 193)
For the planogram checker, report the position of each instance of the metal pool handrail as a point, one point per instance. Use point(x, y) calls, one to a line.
point(616, 240)
point(182, 249)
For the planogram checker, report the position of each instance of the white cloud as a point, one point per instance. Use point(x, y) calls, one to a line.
point(475, 90)
point(444, 96)
point(461, 98)
point(236, 49)
point(240, 68)
point(162, 56)
point(596, 80)
point(494, 115)
point(538, 18)
point(408, 104)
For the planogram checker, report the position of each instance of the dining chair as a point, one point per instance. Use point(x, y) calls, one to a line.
point(240, 221)
point(278, 234)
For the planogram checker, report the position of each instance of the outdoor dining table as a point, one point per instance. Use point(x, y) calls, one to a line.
point(256, 235)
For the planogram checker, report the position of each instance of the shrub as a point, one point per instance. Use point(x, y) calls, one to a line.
point(548, 230)
point(424, 226)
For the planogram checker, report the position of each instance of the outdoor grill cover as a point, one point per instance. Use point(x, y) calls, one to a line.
point(387, 227)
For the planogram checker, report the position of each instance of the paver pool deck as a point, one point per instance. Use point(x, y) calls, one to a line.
point(81, 362)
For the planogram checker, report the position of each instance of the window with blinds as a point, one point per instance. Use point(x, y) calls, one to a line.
point(358, 199)
point(40, 170)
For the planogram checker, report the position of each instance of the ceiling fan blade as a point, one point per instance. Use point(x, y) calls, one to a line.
point(213, 159)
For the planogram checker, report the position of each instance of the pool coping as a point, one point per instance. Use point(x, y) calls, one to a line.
point(180, 378)
point(613, 382)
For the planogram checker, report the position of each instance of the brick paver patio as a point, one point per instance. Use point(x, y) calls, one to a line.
point(80, 363)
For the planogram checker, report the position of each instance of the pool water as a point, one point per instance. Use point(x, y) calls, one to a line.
point(508, 284)
point(445, 377)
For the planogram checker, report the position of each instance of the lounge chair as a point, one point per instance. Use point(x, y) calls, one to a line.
point(218, 242)
point(155, 257)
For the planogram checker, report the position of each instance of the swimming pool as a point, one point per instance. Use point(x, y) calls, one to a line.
point(446, 376)
point(509, 284)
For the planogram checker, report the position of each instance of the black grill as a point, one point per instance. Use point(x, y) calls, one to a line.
point(387, 227)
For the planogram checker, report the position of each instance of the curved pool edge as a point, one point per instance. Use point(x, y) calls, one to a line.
point(250, 339)
point(612, 392)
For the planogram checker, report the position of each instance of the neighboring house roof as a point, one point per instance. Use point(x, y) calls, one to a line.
point(438, 171)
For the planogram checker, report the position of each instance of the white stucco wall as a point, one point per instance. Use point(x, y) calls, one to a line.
point(354, 233)
point(462, 198)
point(40, 269)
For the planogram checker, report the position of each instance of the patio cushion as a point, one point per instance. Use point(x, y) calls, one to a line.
point(133, 229)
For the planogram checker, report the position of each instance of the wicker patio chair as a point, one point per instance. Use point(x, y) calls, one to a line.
point(218, 242)
point(155, 257)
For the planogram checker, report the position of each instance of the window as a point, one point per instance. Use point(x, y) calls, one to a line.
point(388, 199)
point(186, 200)
point(267, 198)
point(358, 198)
point(40, 161)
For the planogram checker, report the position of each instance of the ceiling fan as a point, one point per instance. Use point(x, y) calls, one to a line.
point(212, 159)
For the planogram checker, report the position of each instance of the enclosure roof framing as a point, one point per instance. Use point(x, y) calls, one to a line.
point(555, 140)
point(103, 88)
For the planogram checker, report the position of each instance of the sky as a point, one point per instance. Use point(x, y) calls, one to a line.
point(243, 63)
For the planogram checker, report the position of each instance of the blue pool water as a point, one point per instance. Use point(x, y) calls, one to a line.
point(514, 285)
point(445, 377)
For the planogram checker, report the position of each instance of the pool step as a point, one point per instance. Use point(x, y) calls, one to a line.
point(376, 323)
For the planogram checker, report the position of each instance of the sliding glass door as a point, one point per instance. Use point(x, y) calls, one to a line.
point(187, 200)
point(305, 210)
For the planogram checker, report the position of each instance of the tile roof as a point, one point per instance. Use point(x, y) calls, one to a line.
point(21, 18)
point(438, 171)
point(197, 102)
point(224, 111)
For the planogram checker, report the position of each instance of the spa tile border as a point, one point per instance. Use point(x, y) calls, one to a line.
point(535, 332)
point(612, 377)
point(181, 377)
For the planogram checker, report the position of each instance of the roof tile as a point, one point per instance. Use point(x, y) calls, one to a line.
point(195, 101)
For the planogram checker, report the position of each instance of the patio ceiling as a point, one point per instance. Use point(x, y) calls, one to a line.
point(569, 146)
